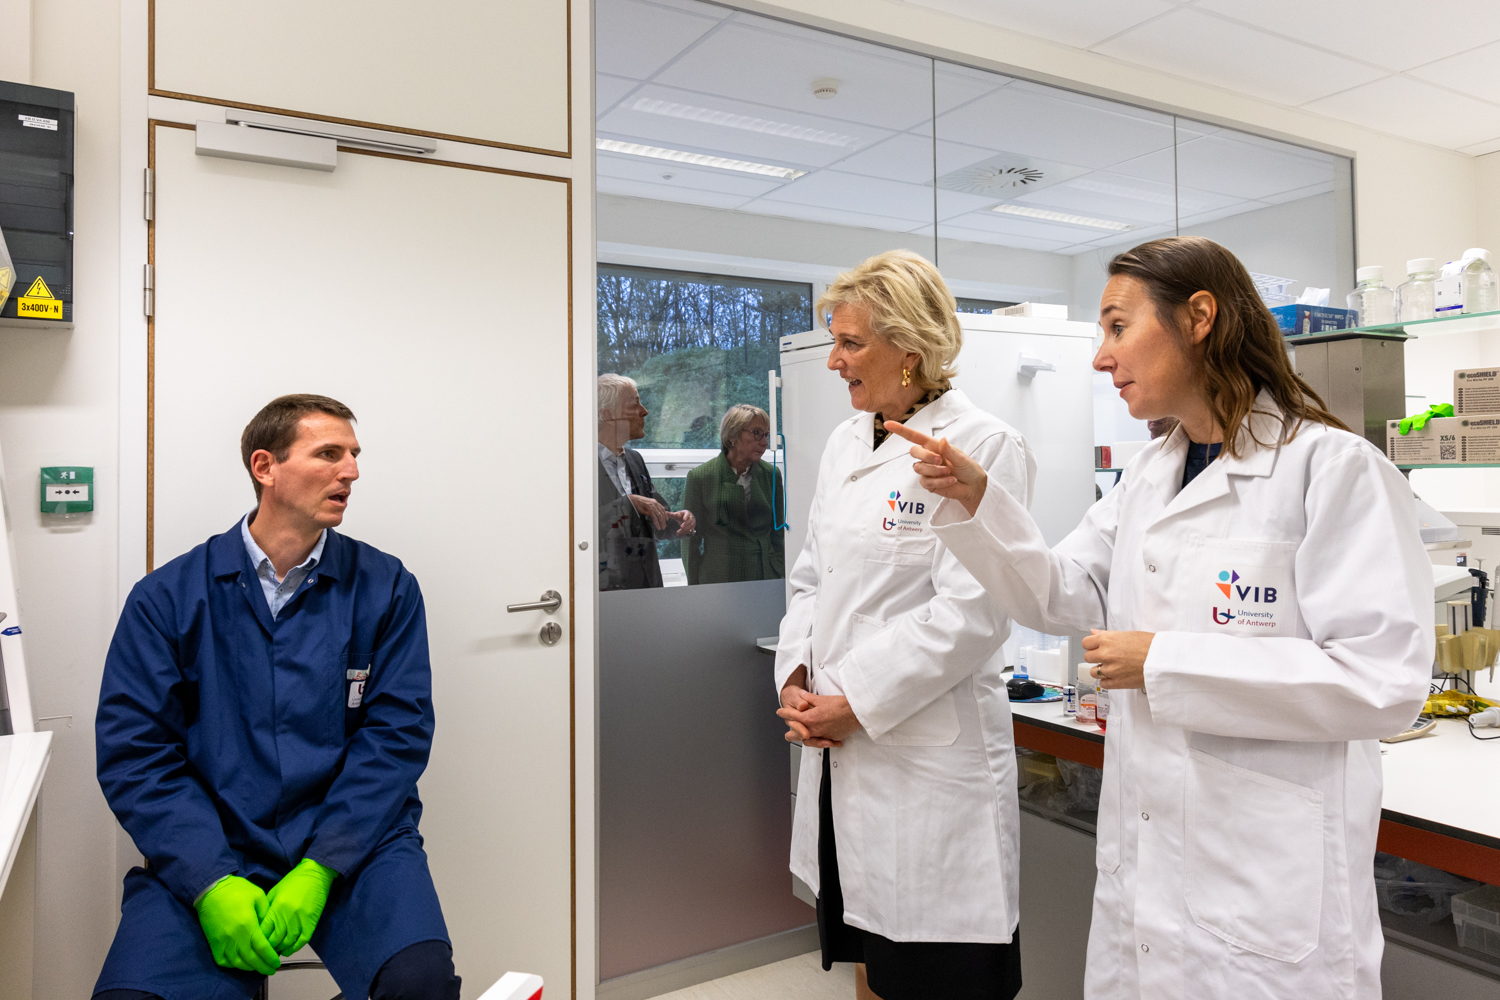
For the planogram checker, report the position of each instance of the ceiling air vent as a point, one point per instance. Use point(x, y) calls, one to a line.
point(1006, 174)
point(992, 179)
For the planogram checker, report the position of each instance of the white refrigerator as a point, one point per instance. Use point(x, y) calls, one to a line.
point(1032, 373)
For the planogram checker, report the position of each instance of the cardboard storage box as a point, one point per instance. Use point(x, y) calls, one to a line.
point(1470, 439)
point(1298, 319)
point(1476, 390)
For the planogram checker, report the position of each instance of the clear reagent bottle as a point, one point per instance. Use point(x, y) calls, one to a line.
point(1415, 299)
point(1476, 282)
point(1373, 301)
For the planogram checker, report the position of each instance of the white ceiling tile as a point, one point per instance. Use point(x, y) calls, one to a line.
point(1416, 110)
point(829, 215)
point(1190, 222)
point(767, 63)
point(947, 232)
point(682, 175)
point(665, 192)
point(851, 192)
point(635, 38)
point(1079, 23)
point(951, 204)
point(1246, 166)
point(1203, 47)
point(1483, 148)
point(1299, 194)
point(1471, 72)
point(1054, 127)
point(954, 85)
point(611, 90)
point(1396, 34)
point(1117, 242)
point(908, 157)
point(1160, 166)
point(1109, 196)
point(996, 222)
point(753, 137)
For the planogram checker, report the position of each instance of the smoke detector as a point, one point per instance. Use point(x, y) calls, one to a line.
point(825, 89)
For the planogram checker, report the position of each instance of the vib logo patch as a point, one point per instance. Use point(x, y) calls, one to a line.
point(905, 506)
point(1229, 583)
point(1243, 593)
point(905, 516)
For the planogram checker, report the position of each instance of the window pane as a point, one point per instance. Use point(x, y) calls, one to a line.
point(695, 344)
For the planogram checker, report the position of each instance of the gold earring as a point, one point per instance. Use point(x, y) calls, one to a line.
point(905, 377)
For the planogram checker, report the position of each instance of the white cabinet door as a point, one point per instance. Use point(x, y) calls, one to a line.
point(487, 71)
point(434, 301)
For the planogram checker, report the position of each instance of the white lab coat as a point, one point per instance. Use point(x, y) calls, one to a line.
point(924, 795)
point(1241, 791)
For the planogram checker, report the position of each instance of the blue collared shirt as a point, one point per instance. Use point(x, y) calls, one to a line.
point(278, 592)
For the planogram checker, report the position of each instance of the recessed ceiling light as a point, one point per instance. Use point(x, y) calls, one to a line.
point(728, 119)
point(1066, 218)
point(698, 159)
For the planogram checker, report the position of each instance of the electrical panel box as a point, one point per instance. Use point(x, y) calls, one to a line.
point(36, 203)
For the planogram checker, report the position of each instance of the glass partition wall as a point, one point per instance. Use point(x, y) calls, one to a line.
point(743, 162)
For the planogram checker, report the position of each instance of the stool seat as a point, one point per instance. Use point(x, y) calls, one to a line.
point(264, 992)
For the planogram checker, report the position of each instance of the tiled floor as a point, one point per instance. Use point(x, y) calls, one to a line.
point(801, 977)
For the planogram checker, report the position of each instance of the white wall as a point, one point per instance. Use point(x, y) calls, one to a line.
point(1487, 213)
point(59, 402)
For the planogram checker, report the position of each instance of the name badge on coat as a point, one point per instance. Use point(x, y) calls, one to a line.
point(356, 680)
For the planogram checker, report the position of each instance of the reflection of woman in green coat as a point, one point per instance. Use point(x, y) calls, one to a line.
point(738, 501)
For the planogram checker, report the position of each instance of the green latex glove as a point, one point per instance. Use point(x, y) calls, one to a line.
point(296, 903)
point(1419, 420)
point(231, 914)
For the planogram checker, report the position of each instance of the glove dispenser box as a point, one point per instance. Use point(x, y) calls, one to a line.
point(36, 204)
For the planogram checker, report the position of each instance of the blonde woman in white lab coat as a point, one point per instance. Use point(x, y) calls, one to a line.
point(1263, 608)
point(889, 670)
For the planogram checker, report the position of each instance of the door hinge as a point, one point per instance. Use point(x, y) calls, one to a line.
point(148, 207)
point(148, 291)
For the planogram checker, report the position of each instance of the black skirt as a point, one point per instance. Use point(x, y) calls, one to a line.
point(905, 970)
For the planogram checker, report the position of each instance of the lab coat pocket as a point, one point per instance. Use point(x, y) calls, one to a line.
point(1247, 587)
point(934, 725)
point(1253, 858)
point(902, 550)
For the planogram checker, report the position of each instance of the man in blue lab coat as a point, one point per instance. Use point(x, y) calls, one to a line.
point(265, 713)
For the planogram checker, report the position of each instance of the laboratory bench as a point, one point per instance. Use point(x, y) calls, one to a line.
point(1439, 808)
point(23, 761)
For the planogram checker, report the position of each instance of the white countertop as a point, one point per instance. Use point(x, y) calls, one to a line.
point(1444, 781)
point(23, 761)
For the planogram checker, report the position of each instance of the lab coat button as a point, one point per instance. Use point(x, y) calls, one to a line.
point(1145, 948)
point(853, 479)
point(1151, 567)
point(835, 763)
point(1145, 815)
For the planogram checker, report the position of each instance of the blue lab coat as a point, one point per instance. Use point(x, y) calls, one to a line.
point(232, 743)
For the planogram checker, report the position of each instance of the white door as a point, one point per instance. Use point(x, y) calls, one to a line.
point(434, 301)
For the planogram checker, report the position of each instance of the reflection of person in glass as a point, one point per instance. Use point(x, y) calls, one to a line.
point(737, 500)
point(889, 669)
point(1261, 610)
point(632, 515)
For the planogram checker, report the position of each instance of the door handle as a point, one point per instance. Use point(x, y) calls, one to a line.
point(550, 602)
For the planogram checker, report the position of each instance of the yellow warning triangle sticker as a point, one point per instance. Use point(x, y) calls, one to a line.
point(39, 290)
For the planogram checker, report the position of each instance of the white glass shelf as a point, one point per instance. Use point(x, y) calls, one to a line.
point(1464, 323)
